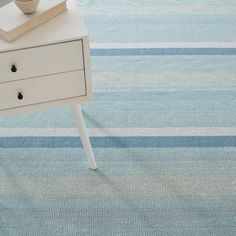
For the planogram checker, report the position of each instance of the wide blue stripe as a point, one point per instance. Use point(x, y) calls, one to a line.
point(161, 51)
point(119, 142)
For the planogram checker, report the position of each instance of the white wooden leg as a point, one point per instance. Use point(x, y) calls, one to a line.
point(78, 117)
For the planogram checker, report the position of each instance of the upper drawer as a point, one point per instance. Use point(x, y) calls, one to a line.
point(43, 60)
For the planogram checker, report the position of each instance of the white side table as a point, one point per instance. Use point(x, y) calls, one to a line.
point(49, 67)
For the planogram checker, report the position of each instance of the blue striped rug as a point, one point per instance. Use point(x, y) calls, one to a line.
point(162, 124)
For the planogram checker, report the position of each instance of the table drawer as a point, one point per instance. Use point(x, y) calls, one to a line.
point(42, 60)
point(42, 89)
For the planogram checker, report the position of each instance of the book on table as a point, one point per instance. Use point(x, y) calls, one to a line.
point(14, 23)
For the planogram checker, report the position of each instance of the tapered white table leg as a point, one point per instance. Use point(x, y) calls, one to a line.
point(78, 117)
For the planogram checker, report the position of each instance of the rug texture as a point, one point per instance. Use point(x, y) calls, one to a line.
point(162, 124)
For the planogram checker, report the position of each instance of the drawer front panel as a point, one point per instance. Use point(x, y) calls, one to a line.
point(39, 61)
point(42, 89)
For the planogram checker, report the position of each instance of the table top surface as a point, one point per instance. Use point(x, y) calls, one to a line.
point(65, 27)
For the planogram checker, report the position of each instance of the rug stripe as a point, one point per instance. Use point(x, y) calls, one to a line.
point(118, 132)
point(164, 45)
point(162, 51)
point(45, 162)
point(141, 186)
point(119, 142)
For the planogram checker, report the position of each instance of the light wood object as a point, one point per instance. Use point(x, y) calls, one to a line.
point(47, 68)
point(13, 23)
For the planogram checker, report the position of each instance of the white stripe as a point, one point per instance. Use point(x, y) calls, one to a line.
point(117, 132)
point(165, 45)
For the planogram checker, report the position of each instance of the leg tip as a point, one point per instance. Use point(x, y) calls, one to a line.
point(93, 167)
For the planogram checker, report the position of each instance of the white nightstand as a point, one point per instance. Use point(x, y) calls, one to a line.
point(49, 67)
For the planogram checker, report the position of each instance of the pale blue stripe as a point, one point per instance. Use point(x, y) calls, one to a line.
point(121, 108)
point(156, 95)
point(153, 219)
point(181, 216)
point(157, 119)
point(224, 203)
point(153, 64)
point(164, 72)
point(162, 28)
point(152, 3)
point(165, 105)
point(42, 162)
point(118, 142)
point(162, 51)
point(61, 118)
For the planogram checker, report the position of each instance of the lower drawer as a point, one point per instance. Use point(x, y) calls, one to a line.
point(42, 89)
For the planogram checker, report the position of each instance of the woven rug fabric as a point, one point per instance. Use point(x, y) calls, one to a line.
point(162, 125)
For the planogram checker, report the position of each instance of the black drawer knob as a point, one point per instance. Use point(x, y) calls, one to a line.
point(20, 96)
point(13, 68)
